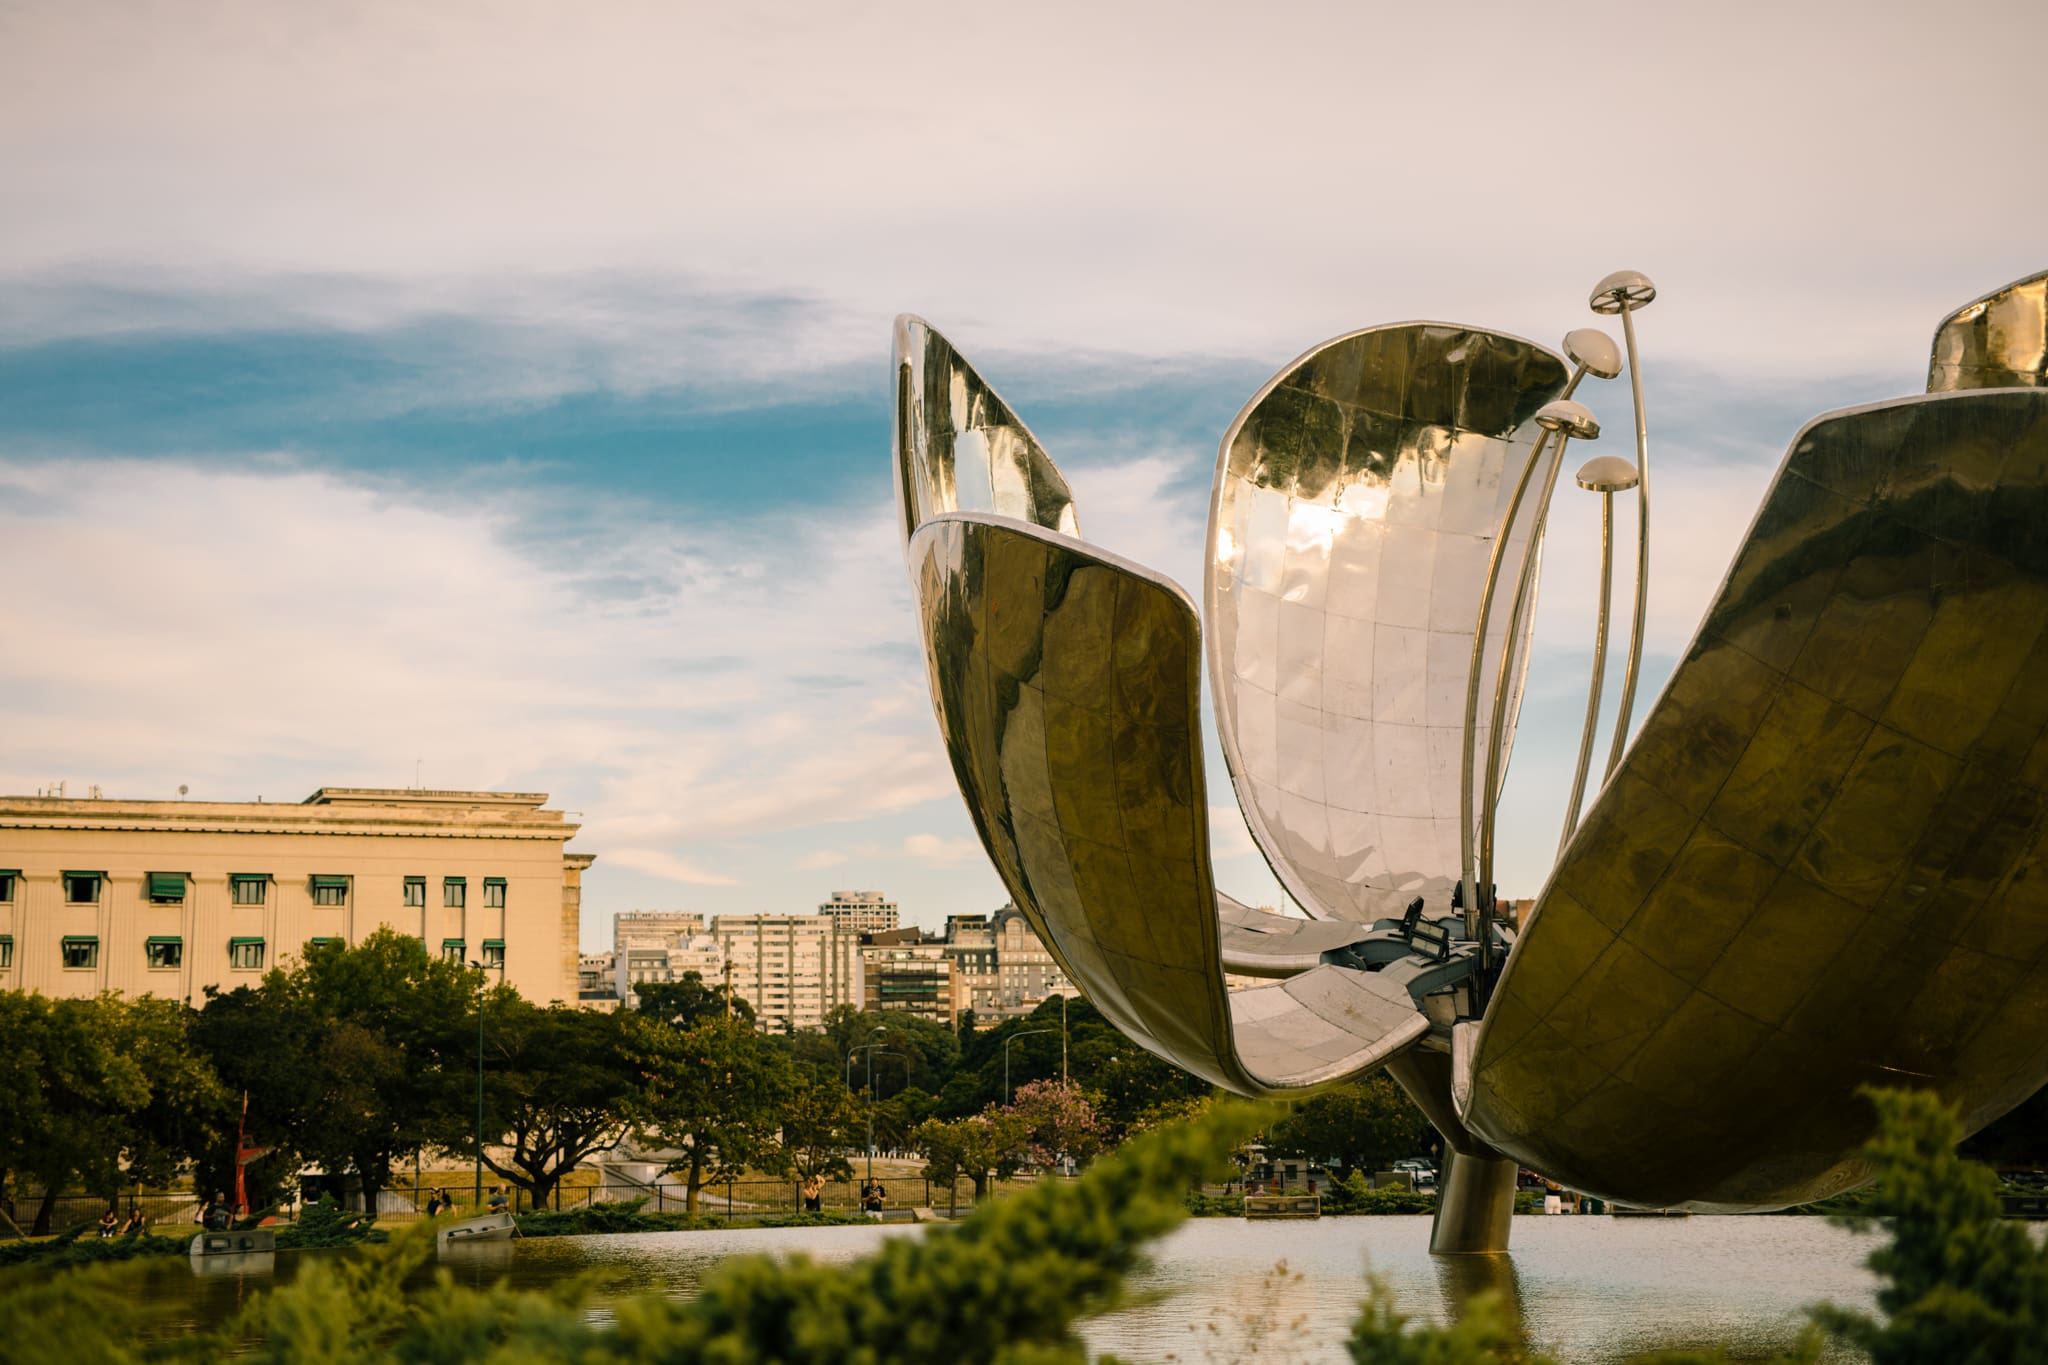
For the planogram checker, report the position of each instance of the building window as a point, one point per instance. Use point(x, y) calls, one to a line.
point(454, 893)
point(7, 885)
point(248, 888)
point(320, 942)
point(494, 893)
point(330, 891)
point(6, 951)
point(494, 953)
point(451, 950)
point(82, 888)
point(81, 953)
point(245, 954)
point(164, 952)
point(416, 892)
point(166, 888)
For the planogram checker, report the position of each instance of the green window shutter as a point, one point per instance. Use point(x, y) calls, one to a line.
point(233, 941)
point(319, 881)
point(81, 938)
point(415, 881)
point(316, 942)
point(167, 886)
point(254, 877)
point(452, 942)
point(494, 881)
point(10, 872)
point(455, 881)
point(164, 938)
point(494, 943)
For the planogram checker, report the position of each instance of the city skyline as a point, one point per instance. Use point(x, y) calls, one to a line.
point(366, 420)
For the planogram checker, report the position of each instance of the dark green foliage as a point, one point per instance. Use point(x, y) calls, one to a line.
point(1353, 1195)
point(1370, 1123)
point(625, 1215)
point(687, 1003)
point(1007, 1286)
point(321, 1224)
point(1960, 1283)
point(88, 1250)
point(824, 1218)
point(561, 1083)
point(1200, 1205)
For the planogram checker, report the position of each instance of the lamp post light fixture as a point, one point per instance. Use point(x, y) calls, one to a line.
point(1021, 1033)
point(869, 1048)
point(1592, 352)
point(1563, 419)
point(1623, 292)
point(1605, 475)
point(482, 980)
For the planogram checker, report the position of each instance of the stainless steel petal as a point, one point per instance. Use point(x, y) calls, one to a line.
point(958, 447)
point(1821, 863)
point(1998, 342)
point(1355, 504)
point(1065, 683)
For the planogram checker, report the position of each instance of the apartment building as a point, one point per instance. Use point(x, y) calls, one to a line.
point(672, 961)
point(1026, 974)
point(903, 971)
point(171, 897)
point(977, 983)
point(860, 912)
point(793, 969)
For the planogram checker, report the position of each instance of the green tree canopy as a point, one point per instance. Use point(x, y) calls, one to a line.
point(560, 1083)
point(718, 1095)
point(686, 1003)
point(1369, 1123)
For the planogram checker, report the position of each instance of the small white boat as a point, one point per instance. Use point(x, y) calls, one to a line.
point(491, 1227)
point(242, 1242)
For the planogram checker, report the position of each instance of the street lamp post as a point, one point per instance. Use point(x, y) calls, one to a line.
point(869, 1047)
point(482, 978)
point(1021, 1033)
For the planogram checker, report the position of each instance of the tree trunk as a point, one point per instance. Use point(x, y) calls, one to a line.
point(980, 1179)
point(696, 1183)
point(952, 1196)
point(44, 1211)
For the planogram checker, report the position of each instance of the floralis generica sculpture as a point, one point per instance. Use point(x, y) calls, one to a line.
point(1819, 864)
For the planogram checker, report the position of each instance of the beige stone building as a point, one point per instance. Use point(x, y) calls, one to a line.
point(170, 897)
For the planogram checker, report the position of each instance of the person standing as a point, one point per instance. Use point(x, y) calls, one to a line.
point(814, 1194)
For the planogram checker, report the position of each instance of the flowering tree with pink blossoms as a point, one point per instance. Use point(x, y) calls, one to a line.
point(1058, 1120)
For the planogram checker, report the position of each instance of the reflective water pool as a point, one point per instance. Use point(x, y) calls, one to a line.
point(1590, 1289)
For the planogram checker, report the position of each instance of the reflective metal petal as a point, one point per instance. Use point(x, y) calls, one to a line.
point(1998, 342)
point(1065, 683)
point(1821, 864)
point(958, 447)
point(1356, 501)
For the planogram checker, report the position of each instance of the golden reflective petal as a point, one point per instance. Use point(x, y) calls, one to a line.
point(1820, 865)
point(1998, 342)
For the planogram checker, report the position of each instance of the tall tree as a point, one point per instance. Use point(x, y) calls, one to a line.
point(1058, 1122)
point(114, 1093)
point(1367, 1123)
point(718, 1094)
point(818, 1125)
point(374, 1054)
point(686, 1003)
point(560, 1083)
point(981, 1147)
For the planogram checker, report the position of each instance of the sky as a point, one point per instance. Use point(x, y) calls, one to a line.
point(497, 396)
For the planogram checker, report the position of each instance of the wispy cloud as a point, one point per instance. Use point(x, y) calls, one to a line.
point(930, 848)
point(667, 866)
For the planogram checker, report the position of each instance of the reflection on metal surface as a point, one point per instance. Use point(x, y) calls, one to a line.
point(1357, 499)
point(1820, 864)
point(958, 445)
point(1998, 342)
point(1066, 686)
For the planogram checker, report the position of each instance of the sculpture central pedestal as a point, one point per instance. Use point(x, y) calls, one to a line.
point(1475, 1205)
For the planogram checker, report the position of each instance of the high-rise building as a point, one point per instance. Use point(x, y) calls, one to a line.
point(669, 961)
point(903, 971)
point(1025, 970)
point(171, 897)
point(977, 984)
point(793, 969)
point(653, 928)
point(860, 912)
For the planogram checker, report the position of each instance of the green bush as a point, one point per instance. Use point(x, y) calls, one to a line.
point(76, 1250)
point(324, 1225)
point(1202, 1205)
point(1353, 1195)
point(826, 1218)
point(626, 1215)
